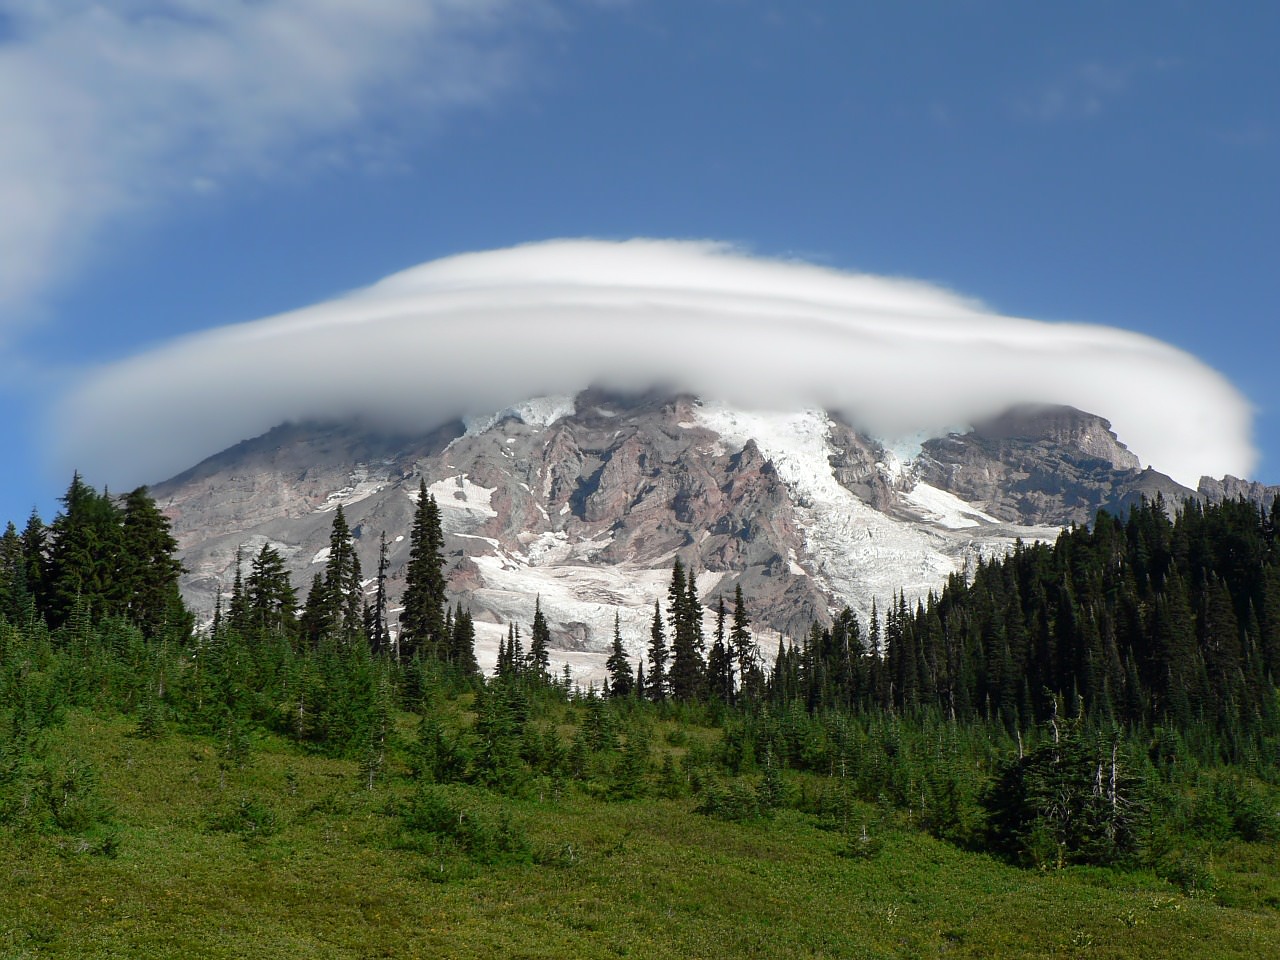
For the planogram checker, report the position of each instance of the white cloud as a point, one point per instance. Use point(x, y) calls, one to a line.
point(107, 108)
point(478, 332)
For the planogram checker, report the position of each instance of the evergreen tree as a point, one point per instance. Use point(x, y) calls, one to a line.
point(150, 570)
point(422, 621)
point(84, 555)
point(238, 615)
point(35, 548)
point(621, 682)
point(685, 612)
point(316, 623)
point(462, 644)
point(719, 662)
point(16, 603)
point(539, 644)
point(742, 647)
point(658, 656)
point(378, 635)
point(343, 583)
point(273, 601)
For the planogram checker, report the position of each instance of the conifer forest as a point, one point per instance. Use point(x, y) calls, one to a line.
point(1070, 751)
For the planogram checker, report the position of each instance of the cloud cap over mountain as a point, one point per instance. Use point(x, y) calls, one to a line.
point(478, 332)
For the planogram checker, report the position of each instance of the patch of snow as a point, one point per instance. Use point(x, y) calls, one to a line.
point(945, 509)
point(322, 555)
point(459, 493)
point(361, 486)
point(601, 411)
point(538, 412)
point(855, 552)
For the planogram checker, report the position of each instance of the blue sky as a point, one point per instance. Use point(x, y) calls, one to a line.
point(171, 166)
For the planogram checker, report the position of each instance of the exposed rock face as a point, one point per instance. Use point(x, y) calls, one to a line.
point(1233, 488)
point(1043, 465)
point(586, 501)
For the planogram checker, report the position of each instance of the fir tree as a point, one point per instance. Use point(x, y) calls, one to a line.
point(378, 635)
point(273, 601)
point(422, 621)
point(462, 645)
point(657, 688)
point(621, 682)
point(539, 644)
point(150, 570)
point(343, 583)
point(84, 555)
point(685, 612)
point(719, 663)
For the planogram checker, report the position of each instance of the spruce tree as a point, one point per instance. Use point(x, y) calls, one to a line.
point(379, 637)
point(150, 570)
point(84, 555)
point(344, 589)
point(15, 598)
point(658, 656)
point(539, 644)
point(462, 643)
point(273, 601)
point(621, 682)
point(685, 611)
point(35, 548)
point(719, 663)
point(742, 647)
point(422, 620)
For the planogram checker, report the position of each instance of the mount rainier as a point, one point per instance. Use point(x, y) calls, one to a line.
point(585, 501)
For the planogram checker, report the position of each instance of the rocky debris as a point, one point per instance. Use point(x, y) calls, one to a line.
point(1038, 465)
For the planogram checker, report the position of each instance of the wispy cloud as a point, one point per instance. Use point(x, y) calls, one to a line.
point(110, 108)
point(478, 332)
point(1085, 91)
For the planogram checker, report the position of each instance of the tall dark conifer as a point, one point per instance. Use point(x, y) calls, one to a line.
point(539, 644)
point(379, 636)
point(658, 656)
point(84, 555)
point(273, 601)
point(621, 681)
point(422, 629)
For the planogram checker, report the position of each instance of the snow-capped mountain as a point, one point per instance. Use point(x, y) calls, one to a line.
point(585, 502)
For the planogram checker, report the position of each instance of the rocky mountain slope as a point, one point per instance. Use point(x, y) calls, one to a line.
point(585, 502)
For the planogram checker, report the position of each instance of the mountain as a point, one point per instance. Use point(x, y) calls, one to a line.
point(585, 501)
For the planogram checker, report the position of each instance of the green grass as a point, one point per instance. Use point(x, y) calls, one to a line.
point(289, 857)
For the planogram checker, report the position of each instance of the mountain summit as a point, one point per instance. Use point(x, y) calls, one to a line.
point(585, 502)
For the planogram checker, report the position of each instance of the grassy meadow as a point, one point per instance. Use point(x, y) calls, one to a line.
point(291, 854)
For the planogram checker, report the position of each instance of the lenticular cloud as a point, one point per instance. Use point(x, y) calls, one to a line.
point(478, 332)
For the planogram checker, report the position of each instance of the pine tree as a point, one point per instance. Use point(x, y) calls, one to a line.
point(658, 656)
point(238, 615)
point(539, 644)
point(621, 682)
point(742, 648)
point(273, 601)
point(150, 570)
point(316, 624)
point(422, 621)
point(84, 555)
point(15, 599)
point(343, 583)
point(685, 611)
point(719, 662)
point(462, 644)
point(379, 637)
point(35, 549)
